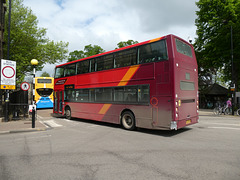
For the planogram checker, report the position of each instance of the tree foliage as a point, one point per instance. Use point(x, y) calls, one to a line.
point(28, 41)
point(126, 43)
point(45, 74)
point(213, 44)
point(89, 50)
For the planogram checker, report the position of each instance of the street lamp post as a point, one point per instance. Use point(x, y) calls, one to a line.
point(233, 82)
point(232, 85)
point(34, 62)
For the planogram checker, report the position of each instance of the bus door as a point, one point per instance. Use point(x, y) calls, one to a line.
point(58, 102)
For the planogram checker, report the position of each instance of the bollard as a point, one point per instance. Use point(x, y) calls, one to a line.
point(33, 117)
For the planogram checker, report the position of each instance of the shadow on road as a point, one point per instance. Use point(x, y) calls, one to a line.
point(165, 133)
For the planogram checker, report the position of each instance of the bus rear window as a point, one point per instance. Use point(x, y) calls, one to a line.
point(183, 48)
point(187, 86)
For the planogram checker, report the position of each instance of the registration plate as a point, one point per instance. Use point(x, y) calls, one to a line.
point(188, 121)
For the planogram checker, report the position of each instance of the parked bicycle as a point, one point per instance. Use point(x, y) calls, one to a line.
point(217, 110)
point(238, 112)
point(222, 110)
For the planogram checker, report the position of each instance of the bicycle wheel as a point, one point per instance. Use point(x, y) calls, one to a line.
point(238, 112)
point(227, 111)
point(216, 111)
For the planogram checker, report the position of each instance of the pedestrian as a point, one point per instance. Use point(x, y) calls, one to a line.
point(229, 103)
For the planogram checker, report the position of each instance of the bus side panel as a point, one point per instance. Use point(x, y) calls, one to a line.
point(117, 77)
point(95, 111)
point(85, 110)
point(112, 112)
point(143, 116)
point(163, 101)
point(162, 113)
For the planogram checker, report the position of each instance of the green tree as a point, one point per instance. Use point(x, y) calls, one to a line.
point(45, 74)
point(126, 43)
point(213, 44)
point(76, 55)
point(89, 50)
point(28, 41)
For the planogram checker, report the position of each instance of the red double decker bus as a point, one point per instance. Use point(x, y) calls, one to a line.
point(153, 84)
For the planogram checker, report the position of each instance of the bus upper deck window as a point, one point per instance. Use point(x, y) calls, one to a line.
point(70, 70)
point(156, 51)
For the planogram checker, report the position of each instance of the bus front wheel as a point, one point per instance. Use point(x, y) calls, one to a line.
point(128, 120)
point(68, 113)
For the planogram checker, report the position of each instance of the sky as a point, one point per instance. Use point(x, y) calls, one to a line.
point(107, 22)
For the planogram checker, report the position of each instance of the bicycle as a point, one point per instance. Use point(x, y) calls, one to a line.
point(238, 112)
point(225, 110)
point(218, 110)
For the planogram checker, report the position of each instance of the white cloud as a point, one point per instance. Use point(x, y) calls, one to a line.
point(107, 22)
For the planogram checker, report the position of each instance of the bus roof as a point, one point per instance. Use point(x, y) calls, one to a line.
point(115, 50)
point(44, 77)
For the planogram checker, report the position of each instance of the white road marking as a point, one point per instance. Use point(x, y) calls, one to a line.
point(224, 124)
point(52, 123)
point(229, 128)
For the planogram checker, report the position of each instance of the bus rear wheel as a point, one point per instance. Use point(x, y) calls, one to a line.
point(128, 120)
point(68, 113)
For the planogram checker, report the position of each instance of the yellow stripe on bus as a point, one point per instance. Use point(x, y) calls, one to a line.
point(104, 109)
point(131, 71)
point(157, 39)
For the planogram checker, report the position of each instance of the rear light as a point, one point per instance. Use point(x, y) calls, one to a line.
point(177, 109)
point(179, 102)
point(197, 106)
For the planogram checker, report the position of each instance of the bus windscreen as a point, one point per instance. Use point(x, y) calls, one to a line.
point(44, 92)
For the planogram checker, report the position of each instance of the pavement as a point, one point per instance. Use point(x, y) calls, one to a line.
point(20, 126)
point(26, 125)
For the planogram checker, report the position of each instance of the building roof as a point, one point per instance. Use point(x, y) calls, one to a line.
point(215, 89)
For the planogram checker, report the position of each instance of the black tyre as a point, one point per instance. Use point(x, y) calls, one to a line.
point(68, 113)
point(128, 120)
